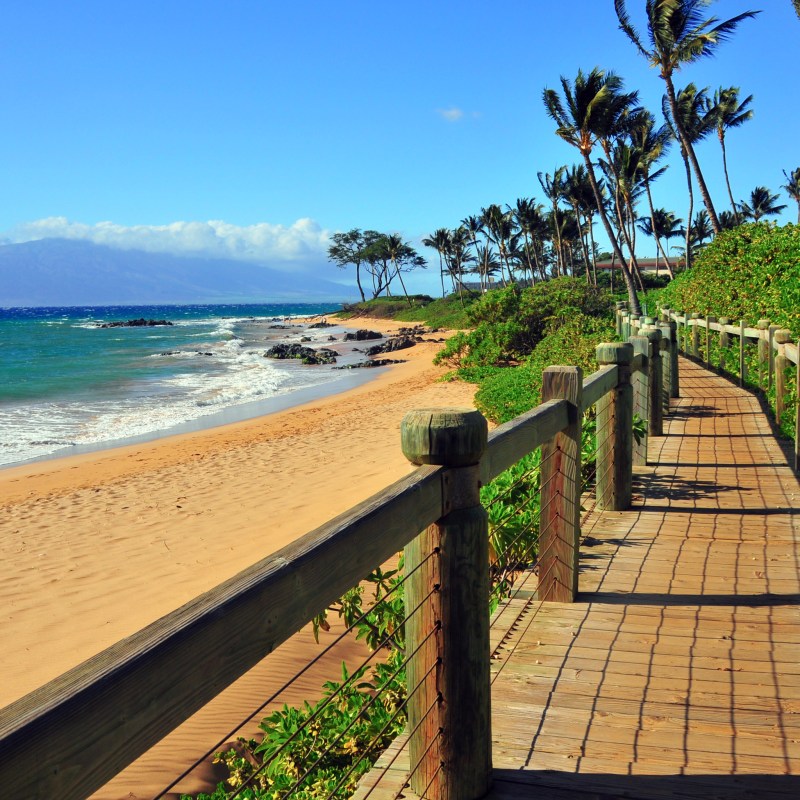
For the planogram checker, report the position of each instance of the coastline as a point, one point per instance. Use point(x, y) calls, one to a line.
point(148, 526)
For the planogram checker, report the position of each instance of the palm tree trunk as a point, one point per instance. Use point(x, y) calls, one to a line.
point(688, 255)
point(727, 179)
point(659, 246)
point(633, 298)
point(673, 104)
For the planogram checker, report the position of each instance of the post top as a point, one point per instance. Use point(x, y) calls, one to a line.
point(724, 320)
point(763, 324)
point(621, 305)
point(614, 353)
point(452, 437)
point(782, 336)
point(647, 320)
point(652, 333)
point(695, 315)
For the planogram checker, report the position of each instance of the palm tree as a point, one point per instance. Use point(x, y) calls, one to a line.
point(576, 183)
point(667, 226)
point(697, 121)
point(553, 188)
point(588, 112)
point(730, 113)
point(792, 184)
point(439, 241)
point(701, 227)
point(762, 204)
point(652, 145)
point(727, 220)
point(679, 34)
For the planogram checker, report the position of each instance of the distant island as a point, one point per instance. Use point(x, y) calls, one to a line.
point(66, 272)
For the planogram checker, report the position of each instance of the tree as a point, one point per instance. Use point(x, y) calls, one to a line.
point(762, 204)
point(697, 121)
point(679, 34)
point(667, 226)
point(792, 184)
point(386, 257)
point(348, 248)
point(701, 228)
point(439, 240)
point(729, 113)
point(589, 110)
point(553, 188)
point(652, 144)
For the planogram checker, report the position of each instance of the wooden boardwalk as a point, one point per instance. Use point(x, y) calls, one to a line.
point(677, 671)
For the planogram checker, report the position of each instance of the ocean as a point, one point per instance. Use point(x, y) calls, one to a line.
point(68, 385)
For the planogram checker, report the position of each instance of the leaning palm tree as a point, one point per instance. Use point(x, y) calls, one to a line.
point(439, 241)
point(679, 34)
point(697, 120)
point(763, 203)
point(652, 144)
point(553, 188)
point(667, 226)
point(792, 184)
point(730, 113)
point(588, 111)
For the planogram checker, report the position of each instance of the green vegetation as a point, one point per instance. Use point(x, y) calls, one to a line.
point(751, 272)
point(448, 312)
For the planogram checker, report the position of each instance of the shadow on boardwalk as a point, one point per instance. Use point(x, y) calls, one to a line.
point(677, 671)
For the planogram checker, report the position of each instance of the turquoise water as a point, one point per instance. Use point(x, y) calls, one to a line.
point(65, 382)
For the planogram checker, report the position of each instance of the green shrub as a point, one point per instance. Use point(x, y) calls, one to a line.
point(750, 272)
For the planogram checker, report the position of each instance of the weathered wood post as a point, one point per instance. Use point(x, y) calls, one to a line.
point(742, 363)
point(696, 336)
point(707, 358)
point(559, 521)
point(666, 364)
point(615, 431)
point(782, 336)
point(763, 352)
point(655, 406)
point(621, 311)
point(771, 337)
point(724, 342)
point(674, 374)
point(678, 321)
point(450, 711)
point(641, 392)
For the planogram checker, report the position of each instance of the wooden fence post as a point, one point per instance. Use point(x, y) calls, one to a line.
point(678, 320)
point(655, 405)
point(674, 374)
point(559, 522)
point(666, 364)
point(450, 712)
point(707, 359)
point(641, 391)
point(724, 342)
point(771, 337)
point(742, 364)
point(782, 336)
point(696, 337)
point(615, 431)
point(763, 353)
point(621, 311)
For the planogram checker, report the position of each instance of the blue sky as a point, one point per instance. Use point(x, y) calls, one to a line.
point(137, 124)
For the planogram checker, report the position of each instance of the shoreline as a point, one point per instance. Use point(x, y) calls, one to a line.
point(147, 527)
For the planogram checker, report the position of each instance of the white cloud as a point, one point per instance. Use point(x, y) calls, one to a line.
point(450, 114)
point(262, 242)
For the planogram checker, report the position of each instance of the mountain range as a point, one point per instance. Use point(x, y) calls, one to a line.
point(67, 272)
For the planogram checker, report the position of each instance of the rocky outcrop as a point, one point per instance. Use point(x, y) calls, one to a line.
point(307, 355)
point(373, 362)
point(390, 345)
point(322, 324)
point(135, 323)
point(362, 335)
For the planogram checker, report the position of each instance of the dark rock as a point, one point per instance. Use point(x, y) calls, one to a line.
point(373, 362)
point(362, 335)
point(331, 338)
point(306, 354)
point(305, 338)
point(322, 324)
point(134, 323)
point(284, 327)
point(389, 346)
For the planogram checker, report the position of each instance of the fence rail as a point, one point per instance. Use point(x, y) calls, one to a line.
point(775, 353)
point(72, 735)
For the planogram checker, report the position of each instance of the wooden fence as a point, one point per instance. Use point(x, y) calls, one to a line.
point(774, 353)
point(72, 735)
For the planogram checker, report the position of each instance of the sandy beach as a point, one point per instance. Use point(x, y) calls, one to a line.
point(96, 546)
